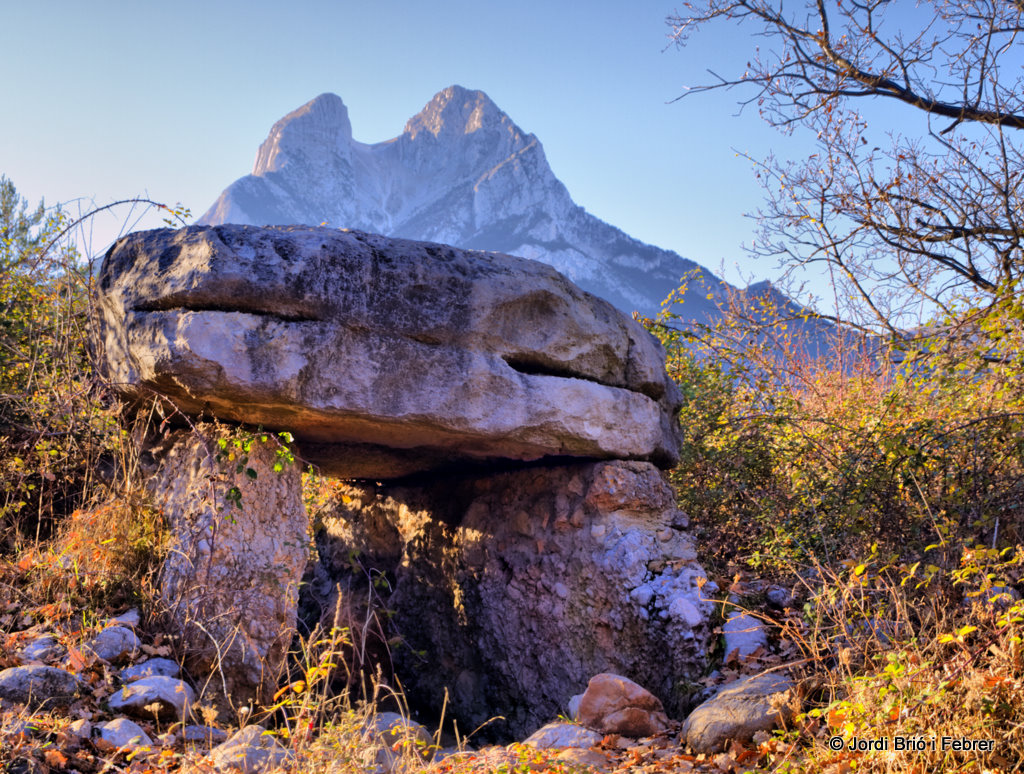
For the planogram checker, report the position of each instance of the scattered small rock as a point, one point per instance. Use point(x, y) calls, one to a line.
point(127, 618)
point(559, 735)
point(114, 644)
point(592, 759)
point(43, 649)
point(389, 735)
point(573, 707)
point(81, 728)
point(613, 704)
point(203, 735)
point(739, 710)
point(1001, 596)
point(123, 734)
point(780, 597)
point(38, 686)
point(743, 634)
point(448, 752)
point(154, 667)
point(172, 698)
point(251, 750)
point(19, 730)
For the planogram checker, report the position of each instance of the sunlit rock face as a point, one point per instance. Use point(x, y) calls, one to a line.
point(383, 357)
point(521, 586)
point(463, 173)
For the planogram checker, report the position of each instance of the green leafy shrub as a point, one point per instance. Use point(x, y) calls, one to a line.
point(789, 457)
point(51, 427)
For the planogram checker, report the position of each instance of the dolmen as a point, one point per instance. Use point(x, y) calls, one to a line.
point(500, 436)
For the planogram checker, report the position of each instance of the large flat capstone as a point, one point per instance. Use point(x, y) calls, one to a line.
point(383, 357)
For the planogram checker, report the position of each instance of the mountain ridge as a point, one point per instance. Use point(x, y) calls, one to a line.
point(462, 172)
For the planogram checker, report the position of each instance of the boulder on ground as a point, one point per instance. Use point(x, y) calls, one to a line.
point(80, 728)
point(38, 686)
point(382, 356)
point(613, 704)
point(389, 738)
point(208, 735)
point(573, 706)
point(739, 710)
point(128, 618)
point(576, 759)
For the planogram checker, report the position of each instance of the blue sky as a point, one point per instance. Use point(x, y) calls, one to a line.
point(117, 98)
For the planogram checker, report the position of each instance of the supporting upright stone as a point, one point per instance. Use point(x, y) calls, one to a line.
point(522, 585)
point(239, 546)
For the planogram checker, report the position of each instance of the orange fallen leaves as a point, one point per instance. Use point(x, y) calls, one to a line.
point(55, 758)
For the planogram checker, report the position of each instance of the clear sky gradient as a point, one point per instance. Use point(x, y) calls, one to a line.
point(117, 98)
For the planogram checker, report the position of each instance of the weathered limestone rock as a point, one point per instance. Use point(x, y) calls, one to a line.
point(207, 735)
point(81, 728)
point(163, 698)
point(743, 634)
point(522, 585)
point(613, 704)
point(387, 359)
point(584, 760)
point(123, 734)
point(38, 686)
point(382, 356)
point(559, 735)
point(739, 710)
point(153, 667)
point(251, 751)
point(114, 644)
point(42, 649)
point(240, 530)
point(573, 706)
point(129, 618)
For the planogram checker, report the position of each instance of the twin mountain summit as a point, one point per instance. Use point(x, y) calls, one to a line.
point(462, 173)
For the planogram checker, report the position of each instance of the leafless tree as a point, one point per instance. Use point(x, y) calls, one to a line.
point(913, 198)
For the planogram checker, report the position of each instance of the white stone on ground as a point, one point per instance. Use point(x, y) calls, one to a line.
point(203, 735)
point(154, 667)
point(123, 734)
point(250, 751)
point(41, 649)
point(172, 698)
point(743, 634)
point(127, 618)
point(114, 644)
point(559, 735)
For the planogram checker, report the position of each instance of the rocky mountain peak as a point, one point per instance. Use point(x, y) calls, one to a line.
point(462, 173)
point(458, 110)
point(317, 130)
